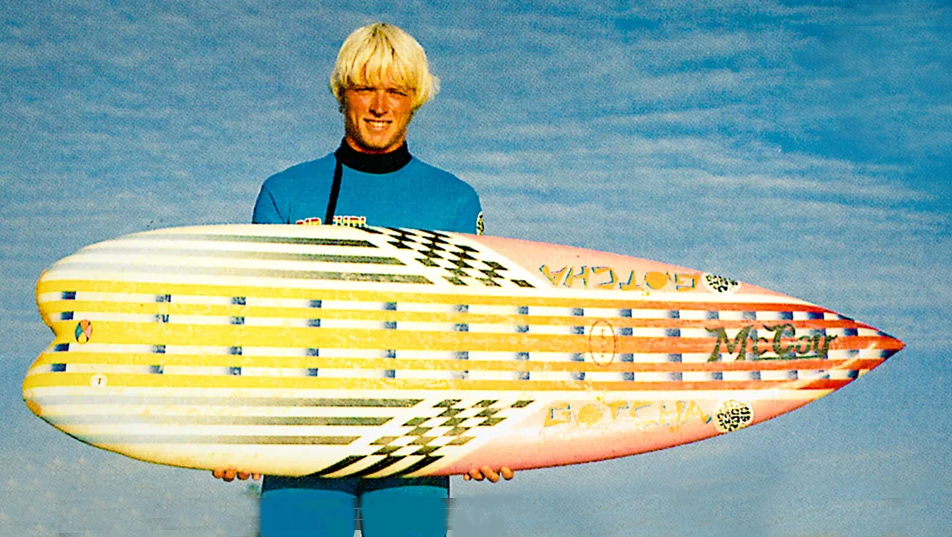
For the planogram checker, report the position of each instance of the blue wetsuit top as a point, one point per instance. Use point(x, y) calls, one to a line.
point(393, 190)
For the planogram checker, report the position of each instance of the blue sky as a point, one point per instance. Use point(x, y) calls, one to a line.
point(803, 147)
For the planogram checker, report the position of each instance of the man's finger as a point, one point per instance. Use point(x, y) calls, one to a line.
point(476, 474)
point(243, 475)
point(218, 473)
point(506, 473)
point(492, 476)
point(230, 475)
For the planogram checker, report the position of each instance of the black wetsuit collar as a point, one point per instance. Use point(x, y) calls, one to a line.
point(373, 163)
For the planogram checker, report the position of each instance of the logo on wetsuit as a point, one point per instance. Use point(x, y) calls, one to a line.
point(352, 221)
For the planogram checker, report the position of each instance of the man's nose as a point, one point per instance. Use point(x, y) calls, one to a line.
point(378, 103)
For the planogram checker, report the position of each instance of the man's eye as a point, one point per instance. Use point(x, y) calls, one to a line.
point(399, 92)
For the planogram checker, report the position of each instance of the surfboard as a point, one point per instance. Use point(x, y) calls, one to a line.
point(367, 351)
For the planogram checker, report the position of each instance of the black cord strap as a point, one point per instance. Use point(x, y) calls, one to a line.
point(335, 193)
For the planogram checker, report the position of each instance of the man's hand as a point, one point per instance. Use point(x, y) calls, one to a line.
point(229, 474)
point(488, 473)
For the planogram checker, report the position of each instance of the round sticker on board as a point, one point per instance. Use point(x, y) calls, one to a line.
point(84, 331)
point(719, 284)
point(602, 342)
point(733, 416)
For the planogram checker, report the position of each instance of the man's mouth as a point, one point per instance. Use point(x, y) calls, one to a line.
point(377, 124)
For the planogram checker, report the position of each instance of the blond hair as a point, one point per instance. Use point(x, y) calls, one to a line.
point(382, 53)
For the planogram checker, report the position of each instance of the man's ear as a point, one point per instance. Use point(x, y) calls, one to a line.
point(340, 101)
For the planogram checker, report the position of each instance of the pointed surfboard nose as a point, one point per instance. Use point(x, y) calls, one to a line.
point(868, 348)
point(892, 343)
point(886, 344)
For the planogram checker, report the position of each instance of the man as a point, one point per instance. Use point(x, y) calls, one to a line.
point(380, 80)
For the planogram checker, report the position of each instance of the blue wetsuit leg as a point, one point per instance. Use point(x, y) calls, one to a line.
point(404, 507)
point(308, 507)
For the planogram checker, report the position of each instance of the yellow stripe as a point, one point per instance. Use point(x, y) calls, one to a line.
point(151, 333)
point(148, 288)
point(110, 332)
point(266, 312)
point(475, 296)
point(67, 380)
point(165, 308)
point(304, 362)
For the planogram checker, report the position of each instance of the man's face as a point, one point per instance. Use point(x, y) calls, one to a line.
point(376, 118)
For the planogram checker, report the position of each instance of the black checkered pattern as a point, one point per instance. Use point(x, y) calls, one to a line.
point(460, 263)
point(428, 437)
point(448, 428)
